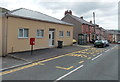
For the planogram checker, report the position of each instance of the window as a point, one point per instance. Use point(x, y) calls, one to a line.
point(23, 33)
point(68, 33)
point(61, 33)
point(40, 33)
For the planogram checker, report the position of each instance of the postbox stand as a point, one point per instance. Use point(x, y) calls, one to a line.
point(31, 49)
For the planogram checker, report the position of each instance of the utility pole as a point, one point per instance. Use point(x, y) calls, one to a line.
point(94, 26)
point(94, 17)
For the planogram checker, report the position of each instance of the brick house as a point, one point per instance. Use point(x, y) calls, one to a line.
point(81, 27)
point(113, 35)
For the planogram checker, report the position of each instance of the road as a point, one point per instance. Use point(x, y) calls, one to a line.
point(88, 64)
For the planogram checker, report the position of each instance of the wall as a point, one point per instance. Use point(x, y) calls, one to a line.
point(77, 26)
point(16, 44)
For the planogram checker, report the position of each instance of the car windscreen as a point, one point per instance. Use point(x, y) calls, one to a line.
point(98, 41)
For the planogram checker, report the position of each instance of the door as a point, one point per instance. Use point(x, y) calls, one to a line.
point(51, 38)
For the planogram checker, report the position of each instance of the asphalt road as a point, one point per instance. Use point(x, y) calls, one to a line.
point(88, 64)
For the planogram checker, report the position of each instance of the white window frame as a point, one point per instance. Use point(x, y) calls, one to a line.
point(40, 34)
point(68, 33)
point(61, 35)
point(23, 32)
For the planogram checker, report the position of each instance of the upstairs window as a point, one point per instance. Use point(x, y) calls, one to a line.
point(68, 33)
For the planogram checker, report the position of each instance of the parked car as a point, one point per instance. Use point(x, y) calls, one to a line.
point(74, 41)
point(118, 42)
point(106, 42)
point(100, 43)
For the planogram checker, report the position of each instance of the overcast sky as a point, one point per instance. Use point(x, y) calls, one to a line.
point(106, 11)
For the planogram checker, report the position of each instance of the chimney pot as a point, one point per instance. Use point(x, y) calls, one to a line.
point(81, 17)
point(90, 21)
point(68, 12)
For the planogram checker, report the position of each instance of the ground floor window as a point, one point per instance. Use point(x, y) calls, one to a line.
point(40, 33)
point(23, 33)
point(61, 33)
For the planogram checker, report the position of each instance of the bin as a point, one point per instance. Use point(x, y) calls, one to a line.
point(60, 44)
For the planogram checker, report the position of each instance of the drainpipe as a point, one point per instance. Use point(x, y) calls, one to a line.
point(4, 37)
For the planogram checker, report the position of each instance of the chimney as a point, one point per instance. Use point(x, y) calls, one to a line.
point(90, 21)
point(81, 17)
point(68, 12)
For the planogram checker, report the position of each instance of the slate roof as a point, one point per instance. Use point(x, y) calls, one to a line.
point(30, 14)
point(80, 20)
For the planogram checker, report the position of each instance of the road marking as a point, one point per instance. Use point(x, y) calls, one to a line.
point(20, 68)
point(81, 61)
point(68, 73)
point(33, 64)
point(52, 58)
point(65, 68)
point(96, 57)
point(89, 57)
point(107, 50)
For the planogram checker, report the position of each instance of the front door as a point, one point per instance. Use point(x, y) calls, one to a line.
point(51, 38)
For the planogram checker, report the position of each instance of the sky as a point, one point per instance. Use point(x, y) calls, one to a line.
point(106, 11)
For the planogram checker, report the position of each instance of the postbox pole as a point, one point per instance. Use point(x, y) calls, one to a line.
point(31, 49)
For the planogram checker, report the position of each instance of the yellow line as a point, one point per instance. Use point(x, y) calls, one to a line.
point(89, 58)
point(20, 68)
point(94, 55)
point(52, 58)
point(81, 61)
point(65, 68)
point(70, 67)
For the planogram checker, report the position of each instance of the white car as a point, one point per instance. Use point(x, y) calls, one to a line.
point(118, 42)
point(106, 42)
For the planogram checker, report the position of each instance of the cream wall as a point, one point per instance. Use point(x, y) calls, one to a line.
point(0, 36)
point(15, 44)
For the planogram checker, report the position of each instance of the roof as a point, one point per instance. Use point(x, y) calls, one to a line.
point(2, 10)
point(80, 19)
point(30, 14)
point(113, 31)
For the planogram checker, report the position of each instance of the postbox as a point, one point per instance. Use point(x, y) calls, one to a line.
point(32, 41)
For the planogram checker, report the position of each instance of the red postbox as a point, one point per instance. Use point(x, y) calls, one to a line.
point(32, 41)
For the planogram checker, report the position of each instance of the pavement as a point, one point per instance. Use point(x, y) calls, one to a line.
point(21, 58)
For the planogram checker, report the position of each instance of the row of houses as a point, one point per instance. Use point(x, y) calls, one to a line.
point(84, 31)
point(17, 27)
point(113, 36)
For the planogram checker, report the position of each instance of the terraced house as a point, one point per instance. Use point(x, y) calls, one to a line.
point(83, 31)
point(18, 26)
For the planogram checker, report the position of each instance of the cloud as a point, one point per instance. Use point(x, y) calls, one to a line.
point(106, 12)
